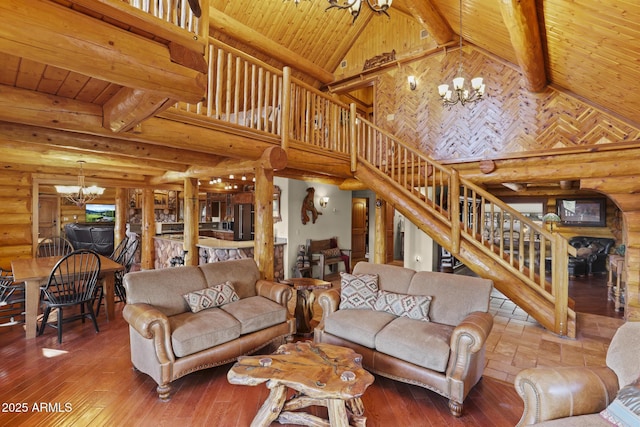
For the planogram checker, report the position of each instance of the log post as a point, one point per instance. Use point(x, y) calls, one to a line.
point(122, 205)
point(148, 230)
point(454, 209)
point(191, 222)
point(560, 275)
point(263, 222)
point(380, 241)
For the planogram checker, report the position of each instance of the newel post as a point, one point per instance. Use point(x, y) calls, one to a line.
point(560, 281)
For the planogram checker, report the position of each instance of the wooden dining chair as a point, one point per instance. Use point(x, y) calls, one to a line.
point(53, 246)
point(127, 258)
point(12, 300)
point(72, 282)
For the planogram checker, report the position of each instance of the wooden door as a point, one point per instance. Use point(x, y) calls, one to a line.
point(48, 216)
point(359, 228)
point(389, 233)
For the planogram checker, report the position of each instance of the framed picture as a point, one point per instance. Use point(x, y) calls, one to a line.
point(582, 212)
point(160, 199)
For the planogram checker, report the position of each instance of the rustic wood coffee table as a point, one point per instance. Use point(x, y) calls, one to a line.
point(321, 375)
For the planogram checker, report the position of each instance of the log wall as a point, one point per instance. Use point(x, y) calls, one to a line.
point(16, 215)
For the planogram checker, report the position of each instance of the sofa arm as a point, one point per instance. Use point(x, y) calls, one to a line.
point(152, 324)
point(276, 292)
point(472, 333)
point(329, 300)
point(551, 393)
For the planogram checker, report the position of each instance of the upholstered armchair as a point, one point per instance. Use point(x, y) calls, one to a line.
point(575, 396)
point(592, 251)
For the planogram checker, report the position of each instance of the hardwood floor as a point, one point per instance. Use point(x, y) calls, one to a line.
point(88, 380)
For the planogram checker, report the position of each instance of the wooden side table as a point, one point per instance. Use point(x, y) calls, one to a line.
point(321, 374)
point(616, 265)
point(304, 287)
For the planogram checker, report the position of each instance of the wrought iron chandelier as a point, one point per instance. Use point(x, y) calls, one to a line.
point(80, 194)
point(459, 94)
point(354, 6)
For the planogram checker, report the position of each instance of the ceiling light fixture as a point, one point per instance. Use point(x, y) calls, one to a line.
point(459, 93)
point(354, 6)
point(79, 194)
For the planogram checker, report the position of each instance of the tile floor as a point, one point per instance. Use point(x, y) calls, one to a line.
point(517, 341)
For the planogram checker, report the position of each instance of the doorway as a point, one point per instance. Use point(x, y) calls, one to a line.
point(359, 229)
point(48, 216)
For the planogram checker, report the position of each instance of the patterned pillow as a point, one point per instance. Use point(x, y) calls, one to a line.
point(215, 296)
point(411, 306)
point(358, 291)
point(331, 253)
point(625, 409)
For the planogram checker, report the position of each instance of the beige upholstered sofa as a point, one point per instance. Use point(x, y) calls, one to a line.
point(168, 340)
point(575, 396)
point(444, 354)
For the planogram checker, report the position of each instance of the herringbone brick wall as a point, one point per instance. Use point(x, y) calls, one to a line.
point(510, 120)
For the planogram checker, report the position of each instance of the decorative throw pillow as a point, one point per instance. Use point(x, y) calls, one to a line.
point(331, 253)
point(358, 291)
point(215, 296)
point(411, 306)
point(584, 252)
point(625, 409)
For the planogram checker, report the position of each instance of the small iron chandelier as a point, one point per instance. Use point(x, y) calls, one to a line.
point(354, 6)
point(79, 194)
point(459, 93)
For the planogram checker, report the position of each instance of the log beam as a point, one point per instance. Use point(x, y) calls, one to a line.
point(521, 20)
point(130, 107)
point(218, 21)
point(96, 48)
point(429, 17)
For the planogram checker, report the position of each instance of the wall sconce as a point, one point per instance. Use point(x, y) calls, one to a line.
point(324, 201)
point(412, 82)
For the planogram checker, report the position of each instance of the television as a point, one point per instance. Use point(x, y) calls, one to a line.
point(100, 212)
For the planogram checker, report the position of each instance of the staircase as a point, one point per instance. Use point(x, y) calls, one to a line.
point(489, 237)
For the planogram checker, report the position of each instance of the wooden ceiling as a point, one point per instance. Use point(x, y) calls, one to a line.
point(590, 49)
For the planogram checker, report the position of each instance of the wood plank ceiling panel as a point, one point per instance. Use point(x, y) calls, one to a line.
point(482, 25)
point(593, 51)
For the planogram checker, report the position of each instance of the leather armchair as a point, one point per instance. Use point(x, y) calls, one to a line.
point(575, 395)
point(594, 251)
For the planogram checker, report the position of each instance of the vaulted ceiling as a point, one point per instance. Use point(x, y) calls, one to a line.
point(590, 48)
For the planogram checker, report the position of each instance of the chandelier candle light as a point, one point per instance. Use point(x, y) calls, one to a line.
point(79, 194)
point(459, 93)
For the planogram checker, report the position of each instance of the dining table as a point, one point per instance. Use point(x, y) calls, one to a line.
point(35, 272)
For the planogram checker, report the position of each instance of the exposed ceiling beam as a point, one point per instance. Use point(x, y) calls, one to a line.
point(129, 107)
point(430, 18)
point(96, 48)
point(521, 20)
point(218, 21)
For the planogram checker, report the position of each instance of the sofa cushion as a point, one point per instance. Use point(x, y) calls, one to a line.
point(211, 297)
point(454, 296)
point(425, 344)
point(359, 326)
point(255, 313)
point(164, 288)
point(624, 411)
point(358, 291)
point(194, 332)
point(390, 277)
point(243, 273)
point(411, 306)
